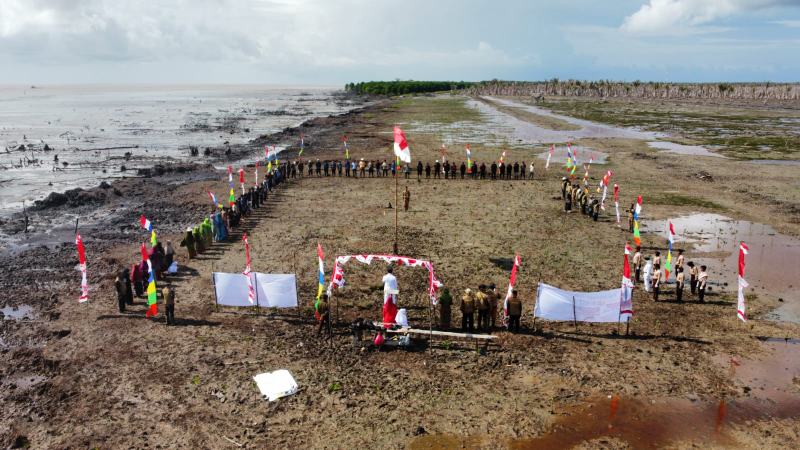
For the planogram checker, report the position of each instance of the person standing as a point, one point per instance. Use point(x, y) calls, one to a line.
point(514, 308)
point(467, 311)
point(702, 281)
point(692, 277)
point(168, 294)
point(463, 169)
point(126, 278)
point(530, 171)
point(427, 170)
point(483, 171)
point(656, 281)
point(406, 171)
point(493, 171)
point(390, 292)
point(419, 170)
point(679, 261)
point(679, 279)
point(437, 169)
point(445, 305)
point(136, 277)
point(657, 259)
point(648, 275)
point(482, 303)
point(406, 199)
point(564, 185)
point(322, 312)
point(169, 256)
point(119, 284)
point(493, 297)
point(347, 169)
point(637, 264)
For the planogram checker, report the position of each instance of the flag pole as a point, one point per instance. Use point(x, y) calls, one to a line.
point(574, 314)
point(396, 208)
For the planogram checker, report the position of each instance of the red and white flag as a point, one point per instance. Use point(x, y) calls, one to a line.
point(626, 292)
point(251, 293)
point(401, 149)
point(241, 179)
point(512, 281)
point(616, 200)
point(741, 307)
point(549, 155)
point(82, 266)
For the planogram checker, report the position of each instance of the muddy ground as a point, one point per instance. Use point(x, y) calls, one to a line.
point(84, 376)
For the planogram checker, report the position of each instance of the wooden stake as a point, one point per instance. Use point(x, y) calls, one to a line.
point(574, 314)
point(396, 209)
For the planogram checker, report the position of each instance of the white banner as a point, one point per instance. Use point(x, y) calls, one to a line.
point(272, 290)
point(556, 304)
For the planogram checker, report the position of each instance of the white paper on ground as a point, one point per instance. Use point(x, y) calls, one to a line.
point(402, 318)
point(173, 268)
point(275, 385)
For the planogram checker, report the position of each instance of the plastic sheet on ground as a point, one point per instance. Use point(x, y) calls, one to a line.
point(402, 318)
point(277, 384)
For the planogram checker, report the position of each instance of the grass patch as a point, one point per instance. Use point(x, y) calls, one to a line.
point(439, 109)
point(684, 200)
point(334, 387)
point(196, 380)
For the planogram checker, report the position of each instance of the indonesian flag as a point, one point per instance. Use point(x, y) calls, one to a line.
point(256, 184)
point(266, 151)
point(241, 179)
point(230, 176)
point(503, 156)
point(741, 307)
point(626, 293)
point(212, 197)
point(145, 223)
point(549, 155)
point(604, 184)
point(145, 256)
point(337, 279)
point(251, 293)
point(82, 266)
point(512, 281)
point(638, 209)
point(401, 149)
point(616, 200)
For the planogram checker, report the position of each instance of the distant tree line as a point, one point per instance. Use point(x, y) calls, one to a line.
point(637, 89)
point(398, 87)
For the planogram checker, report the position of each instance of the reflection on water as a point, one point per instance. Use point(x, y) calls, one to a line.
point(773, 263)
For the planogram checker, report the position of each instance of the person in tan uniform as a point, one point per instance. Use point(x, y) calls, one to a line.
point(493, 298)
point(692, 277)
point(679, 260)
point(406, 199)
point(514, 308)
point(679, 280)
point(168, 294)
point(702, 281)
point(657, 259)
point(656, 280)
point(467, 311)
point(482, 301)
point(637, 264)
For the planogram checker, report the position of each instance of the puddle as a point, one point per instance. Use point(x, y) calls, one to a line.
point(773, 375)
point(656, 423)
point(27, 381)
point(681, 149)
point(776, 162)
point(19, 313)
point(713, 240)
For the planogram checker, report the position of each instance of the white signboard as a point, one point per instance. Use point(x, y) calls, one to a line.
point(272, 290)
point(556, 304)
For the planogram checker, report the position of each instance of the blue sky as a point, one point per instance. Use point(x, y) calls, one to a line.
point(332, 42)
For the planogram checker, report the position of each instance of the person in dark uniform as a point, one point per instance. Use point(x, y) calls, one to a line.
point(419, 170)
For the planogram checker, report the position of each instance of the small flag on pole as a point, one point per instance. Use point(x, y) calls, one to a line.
point(82, 265)
point(321, 286)
point(741, 306)
point(512, 281)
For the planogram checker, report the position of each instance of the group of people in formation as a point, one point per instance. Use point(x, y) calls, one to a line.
point(482, 304)
point(214, 228)
point(385, 168)
point(653, 274)
point(579, 198)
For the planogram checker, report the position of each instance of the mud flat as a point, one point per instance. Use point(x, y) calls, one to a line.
point(84, 375)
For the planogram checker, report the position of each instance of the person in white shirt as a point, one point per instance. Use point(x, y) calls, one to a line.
point(389, 297)
point(648, 275)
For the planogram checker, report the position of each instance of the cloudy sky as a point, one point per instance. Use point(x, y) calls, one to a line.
point(335, 41)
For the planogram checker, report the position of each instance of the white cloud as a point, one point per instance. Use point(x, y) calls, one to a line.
point(788, 23)
point(669, 16)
